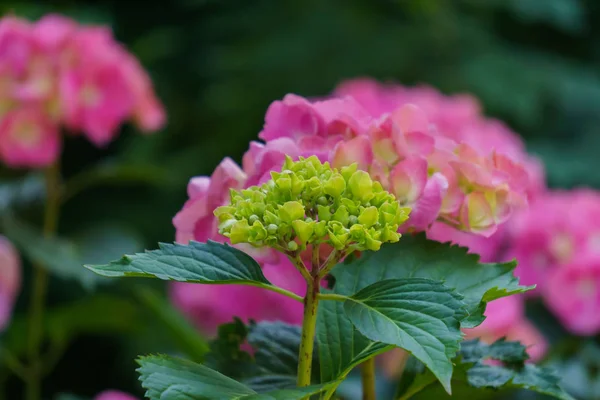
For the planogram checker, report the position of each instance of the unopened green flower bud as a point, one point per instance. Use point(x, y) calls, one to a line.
point(369, 216)
point(308, 202)
point(239, 232)
point(335, 186)
point(361, 185)
point(291, 211)
point(303, 230)
point(272, 229)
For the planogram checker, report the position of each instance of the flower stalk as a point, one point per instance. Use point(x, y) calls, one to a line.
point(40, 284)
point(367, 371)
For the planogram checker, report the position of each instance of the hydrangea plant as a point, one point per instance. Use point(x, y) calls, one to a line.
point(341, 226)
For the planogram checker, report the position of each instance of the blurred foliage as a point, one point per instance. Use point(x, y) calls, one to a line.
point(218, 64)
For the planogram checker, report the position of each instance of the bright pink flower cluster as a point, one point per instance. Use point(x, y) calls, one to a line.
point(446, 180)
point(56, 74)
point(10, 280)
point(114, 395)
point(557, 244)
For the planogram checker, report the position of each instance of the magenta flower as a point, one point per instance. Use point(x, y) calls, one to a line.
point(67, 76)
point(196, 220)
point(28, 138)
point(557, 228)
point(10, 280)
point(572, 293)
point(114, 395)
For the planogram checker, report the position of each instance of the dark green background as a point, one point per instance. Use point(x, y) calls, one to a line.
point(217, 64)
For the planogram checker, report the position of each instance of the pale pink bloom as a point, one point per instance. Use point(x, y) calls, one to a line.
point(506, 319)
point(209, 306)
point(261, 159)
point(10, 280)
point(114, 395)
point(572, 293)
point(28, 139)
point(196, 221)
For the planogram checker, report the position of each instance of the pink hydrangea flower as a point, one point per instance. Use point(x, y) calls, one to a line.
point(506, 319)
point(196, 220)
point(10, 280)
point(557, 228)
point(572, 293)
point(444, 180)
point(28, 138)
point(65, 75)
point(114, 395)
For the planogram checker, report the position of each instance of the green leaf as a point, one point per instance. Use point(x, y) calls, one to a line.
point(226, 355)
point(266, 383)
point(276, 347)
point(176, 379)
point(416, 257)
point(210, 262)
point(419, 315)
point(341, 346)
point(186, 336)
point(476, 378)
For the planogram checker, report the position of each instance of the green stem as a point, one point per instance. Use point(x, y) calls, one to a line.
point(332, 296)
point(299, 264)
point(284, 292)
point(40, 283)
point(367, 373)
point(309, 325)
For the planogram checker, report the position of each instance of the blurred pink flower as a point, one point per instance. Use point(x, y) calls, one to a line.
point(208, 308)
point(572, 293)
point(559, 227)
point(28, 138)
point(506, 319)
point(75, 77)
point(114, 395)
point(10, 280)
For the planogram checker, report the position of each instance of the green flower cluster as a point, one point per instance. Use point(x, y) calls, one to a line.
point(311, 203)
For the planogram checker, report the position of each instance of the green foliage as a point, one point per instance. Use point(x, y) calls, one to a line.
point(416, 257)
point(476, 376)
point(342, 347)
point(182, 333)
point(99, 314)
point(419, 315)
point(225, 354)
point(173, 378)
point(210, 262)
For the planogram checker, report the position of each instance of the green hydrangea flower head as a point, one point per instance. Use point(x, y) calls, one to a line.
point(309, 202)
